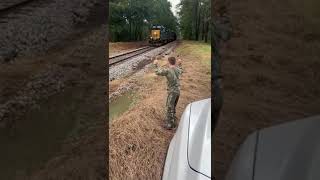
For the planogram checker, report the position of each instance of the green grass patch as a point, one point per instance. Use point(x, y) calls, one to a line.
point(197, 50)
point(122, 104)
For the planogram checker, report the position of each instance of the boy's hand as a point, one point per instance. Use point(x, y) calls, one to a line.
point(179, 61)
point(155, 62)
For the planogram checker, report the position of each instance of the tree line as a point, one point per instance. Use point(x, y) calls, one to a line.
point(130, 20)
point(194, 19)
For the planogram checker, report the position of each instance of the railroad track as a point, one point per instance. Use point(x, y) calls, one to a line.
point(122, 57)
point(11, 9)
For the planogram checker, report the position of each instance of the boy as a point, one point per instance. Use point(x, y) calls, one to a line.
point(172, 74)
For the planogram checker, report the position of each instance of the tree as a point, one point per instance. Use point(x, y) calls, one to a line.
point(130, 20)
point(194, 19)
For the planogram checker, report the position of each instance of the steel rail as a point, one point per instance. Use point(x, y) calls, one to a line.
point(121, 57)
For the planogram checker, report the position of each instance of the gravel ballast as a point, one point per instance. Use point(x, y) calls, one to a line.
point(127, 67)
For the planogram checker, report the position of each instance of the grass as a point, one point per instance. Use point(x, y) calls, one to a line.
point(121, 104)
point(197, 50)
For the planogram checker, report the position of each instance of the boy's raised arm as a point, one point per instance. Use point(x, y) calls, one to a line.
point(159, 71)
point(179, 65)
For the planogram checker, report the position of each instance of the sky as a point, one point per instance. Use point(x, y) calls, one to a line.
point(173, 6)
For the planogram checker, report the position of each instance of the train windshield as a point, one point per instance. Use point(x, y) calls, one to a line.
point(156, 27)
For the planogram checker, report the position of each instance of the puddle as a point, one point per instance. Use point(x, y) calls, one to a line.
point(120, 105)
point(37, 138)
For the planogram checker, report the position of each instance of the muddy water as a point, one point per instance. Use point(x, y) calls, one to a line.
point(37, 138)
point(120, 105)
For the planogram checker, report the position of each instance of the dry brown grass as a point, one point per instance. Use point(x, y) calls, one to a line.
point(137, 141)
point(114, 85)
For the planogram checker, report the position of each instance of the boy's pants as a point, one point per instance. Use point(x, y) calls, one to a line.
point(171, 104)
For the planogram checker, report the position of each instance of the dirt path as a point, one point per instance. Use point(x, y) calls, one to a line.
point(271, 72)
point(137, 141)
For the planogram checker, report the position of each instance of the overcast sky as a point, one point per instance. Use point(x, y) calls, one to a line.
point(174, 4)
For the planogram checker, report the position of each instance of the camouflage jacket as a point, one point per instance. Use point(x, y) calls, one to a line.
point(172, 75)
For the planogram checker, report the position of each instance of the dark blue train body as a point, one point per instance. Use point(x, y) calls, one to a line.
point(159, 35)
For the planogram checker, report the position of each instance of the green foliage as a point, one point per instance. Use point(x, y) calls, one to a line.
point(195, 19)
point(130, 20)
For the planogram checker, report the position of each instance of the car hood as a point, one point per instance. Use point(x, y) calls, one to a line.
point(290, 151)
point(199, 137)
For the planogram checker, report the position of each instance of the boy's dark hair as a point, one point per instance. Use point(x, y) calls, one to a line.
point(172, 60)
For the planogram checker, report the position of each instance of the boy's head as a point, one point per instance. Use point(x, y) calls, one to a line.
point(172, 60)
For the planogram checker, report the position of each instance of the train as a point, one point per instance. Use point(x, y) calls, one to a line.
point(159, 35)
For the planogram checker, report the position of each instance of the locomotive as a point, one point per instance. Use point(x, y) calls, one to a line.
point(159, 35)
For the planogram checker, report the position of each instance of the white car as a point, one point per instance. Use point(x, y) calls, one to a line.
point(290, 151)
point(189, 153)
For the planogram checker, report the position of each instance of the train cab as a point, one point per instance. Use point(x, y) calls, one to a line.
point(155, 33)
point(160, 35)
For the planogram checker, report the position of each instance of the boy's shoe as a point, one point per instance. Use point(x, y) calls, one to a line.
point(169, 126)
